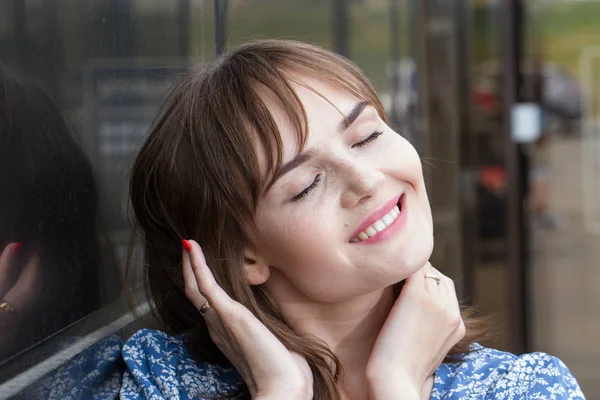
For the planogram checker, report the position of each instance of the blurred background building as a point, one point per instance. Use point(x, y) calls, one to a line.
point(501, 98)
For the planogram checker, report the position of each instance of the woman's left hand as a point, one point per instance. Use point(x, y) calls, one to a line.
point(421, 328)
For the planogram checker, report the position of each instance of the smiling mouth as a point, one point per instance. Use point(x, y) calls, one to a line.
point(381, 224)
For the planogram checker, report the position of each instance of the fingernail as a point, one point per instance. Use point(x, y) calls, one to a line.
point(186, 245)
point(16, 247)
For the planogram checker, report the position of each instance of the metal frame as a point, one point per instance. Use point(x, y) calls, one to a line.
point(590, 142)
point(221, 8)
point(516, 166)
point(340, 27)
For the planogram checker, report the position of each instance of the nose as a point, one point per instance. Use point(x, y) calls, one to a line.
point(362, 183)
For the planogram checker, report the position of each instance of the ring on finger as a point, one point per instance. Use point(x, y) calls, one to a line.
point(4, 306)
point(204, 309)
point(437, 279)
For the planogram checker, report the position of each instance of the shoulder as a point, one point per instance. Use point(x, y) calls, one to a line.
point(160, 366)
point(492, 374)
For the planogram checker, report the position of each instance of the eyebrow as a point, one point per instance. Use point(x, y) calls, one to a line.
point(307, 155)
point(350, 118)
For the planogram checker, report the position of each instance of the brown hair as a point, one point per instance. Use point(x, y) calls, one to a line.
point(197, 176)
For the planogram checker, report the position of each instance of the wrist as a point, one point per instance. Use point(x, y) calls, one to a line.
point(394, 392)
point(386, 388)
point(288, 392)
point(281, 395)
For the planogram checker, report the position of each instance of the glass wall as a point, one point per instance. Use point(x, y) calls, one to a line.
point(79, 87)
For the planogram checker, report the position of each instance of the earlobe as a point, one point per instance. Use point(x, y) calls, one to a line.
point(256, 270)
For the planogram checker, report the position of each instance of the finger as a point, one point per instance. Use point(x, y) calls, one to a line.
point(430, 279)
point(446, 284)
point(447, 289)
point(189, 281)
point(193, 294)
point(23, 294)
point(205, 281)
point(416, 281)
point(433, 279)
point(450, 299)
point(7, 273)
point(444, 293)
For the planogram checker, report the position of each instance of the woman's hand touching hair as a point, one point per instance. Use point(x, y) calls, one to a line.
point(422, 327)
point(20, 283)
point(269, 370)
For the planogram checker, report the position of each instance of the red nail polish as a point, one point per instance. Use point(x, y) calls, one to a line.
point(186, 245)
point(16, 247)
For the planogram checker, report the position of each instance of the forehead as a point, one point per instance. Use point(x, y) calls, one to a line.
point(325, 106)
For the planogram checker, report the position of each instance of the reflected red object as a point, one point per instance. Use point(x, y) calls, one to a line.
point(486, 100)
point(493, 178)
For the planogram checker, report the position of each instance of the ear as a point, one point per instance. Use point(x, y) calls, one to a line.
point(256, 269)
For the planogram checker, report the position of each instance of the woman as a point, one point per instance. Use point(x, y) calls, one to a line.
point(308, 274)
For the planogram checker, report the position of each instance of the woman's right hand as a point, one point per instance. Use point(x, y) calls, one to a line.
point(269, 369)
point(422, 327)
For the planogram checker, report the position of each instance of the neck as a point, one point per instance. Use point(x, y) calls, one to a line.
point(350, 329)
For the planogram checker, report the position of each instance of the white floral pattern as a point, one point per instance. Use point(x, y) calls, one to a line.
point(159, 367)
point(495, 375)
point(94, 374)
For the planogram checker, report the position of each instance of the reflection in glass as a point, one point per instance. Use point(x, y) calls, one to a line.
point(93, 75)
point(308, 21)
point(53, 263)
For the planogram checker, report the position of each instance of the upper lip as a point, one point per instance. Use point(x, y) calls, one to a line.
point(377, 215)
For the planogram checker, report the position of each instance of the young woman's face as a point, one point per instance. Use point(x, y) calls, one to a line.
point(329, 226)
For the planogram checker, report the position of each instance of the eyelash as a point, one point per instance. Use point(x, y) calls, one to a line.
point(368, 140)
point(314, 184)
point(309, 189)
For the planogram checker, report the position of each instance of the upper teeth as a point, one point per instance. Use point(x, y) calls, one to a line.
point(380, 225)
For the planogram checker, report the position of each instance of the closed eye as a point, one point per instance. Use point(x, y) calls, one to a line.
point(368, 140)
point(306, 191)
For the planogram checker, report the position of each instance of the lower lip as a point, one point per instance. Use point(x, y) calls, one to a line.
point(390, 230)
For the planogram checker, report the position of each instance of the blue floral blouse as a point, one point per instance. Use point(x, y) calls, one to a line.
point(94, 374)
point(160, 367)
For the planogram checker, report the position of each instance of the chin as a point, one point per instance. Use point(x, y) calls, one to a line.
point(428, 247)
point(417, 256)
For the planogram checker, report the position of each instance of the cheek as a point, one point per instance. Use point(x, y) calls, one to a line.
point(305, 249)
point(395, 152)
point(401, 149)
point(290, 238)
point(401, 162)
